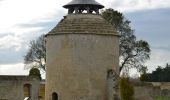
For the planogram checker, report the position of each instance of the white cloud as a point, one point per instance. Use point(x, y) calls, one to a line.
point(15, 12)
point(10, 41)
point(14, 69)
point(134, 5)
point(159, 57)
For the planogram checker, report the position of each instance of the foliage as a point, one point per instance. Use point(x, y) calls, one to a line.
point(126, 89)
point(133, 53)
point(162, 98)
point(143, 72)
point(36, 55)
point(34, 72)
point(143, 77)
point(159, 75)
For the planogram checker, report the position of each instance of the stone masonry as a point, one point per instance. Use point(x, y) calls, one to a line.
point(80, 51)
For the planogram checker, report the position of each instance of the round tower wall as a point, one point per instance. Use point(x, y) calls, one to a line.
point(77, 65)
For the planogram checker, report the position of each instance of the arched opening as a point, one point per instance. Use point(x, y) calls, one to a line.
point(54, 96)
point(27, 91)
point(83, 10)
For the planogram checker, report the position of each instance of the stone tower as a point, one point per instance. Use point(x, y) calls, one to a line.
point(82, 54)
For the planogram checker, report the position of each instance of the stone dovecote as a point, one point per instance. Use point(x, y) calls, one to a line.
point(82, 51)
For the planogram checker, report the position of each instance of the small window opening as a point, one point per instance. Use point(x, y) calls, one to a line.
point(54, 96)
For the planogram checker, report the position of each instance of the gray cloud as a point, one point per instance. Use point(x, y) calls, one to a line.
point(4, 34)
point(10, 56)
point(8, 52)
point(45, 24)
point(153, 26)
point(165, 48)
point(13, 47)
point(136, 5)
point(11, 41)
point(116, 3)
point(38, 24)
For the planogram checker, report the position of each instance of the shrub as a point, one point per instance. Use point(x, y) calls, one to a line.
point(34, 72)
point(162, 98)
point(126, 89)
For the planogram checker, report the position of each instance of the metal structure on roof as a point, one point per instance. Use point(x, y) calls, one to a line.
point(83, 6)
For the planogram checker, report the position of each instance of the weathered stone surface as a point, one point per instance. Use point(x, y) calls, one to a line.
point(12, 87)
point(80, 51)
point(77, 65)
point(151, 90)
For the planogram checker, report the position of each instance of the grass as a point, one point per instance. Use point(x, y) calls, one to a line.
point(162, 98)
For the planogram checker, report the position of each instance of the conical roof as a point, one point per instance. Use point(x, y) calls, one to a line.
point(83, 24)
point(83, 2)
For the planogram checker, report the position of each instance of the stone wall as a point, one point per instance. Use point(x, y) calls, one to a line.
point(12, 87)
point(145, 92)
point(151, 90)
point(164, 88)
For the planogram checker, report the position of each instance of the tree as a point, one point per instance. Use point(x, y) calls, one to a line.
point(133, 53)
point(161, 74)
point(143, 70)
point(36, 55)
point(143, 73)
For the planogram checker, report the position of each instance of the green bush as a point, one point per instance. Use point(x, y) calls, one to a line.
point(162, 98)
point(35, 72)
point(126, 90)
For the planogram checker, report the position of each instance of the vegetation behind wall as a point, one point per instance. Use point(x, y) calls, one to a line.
point(126, 89)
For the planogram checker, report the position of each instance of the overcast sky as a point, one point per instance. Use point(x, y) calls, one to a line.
point(25, 20)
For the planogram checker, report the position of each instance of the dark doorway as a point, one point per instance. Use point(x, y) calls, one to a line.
point(27, 91)
point(54, 96)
